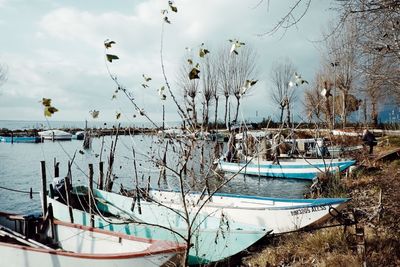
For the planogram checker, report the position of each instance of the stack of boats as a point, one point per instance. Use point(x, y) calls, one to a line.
point(303, 158)
point(92, 227)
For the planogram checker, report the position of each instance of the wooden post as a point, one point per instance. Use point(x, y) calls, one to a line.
point(51, 221)
point(101, 177)
point(44, 187)
point(56, 168)
point(137, 195)
point(163, 118)
point(91, 195)
point(68, 196)
point(69, 173)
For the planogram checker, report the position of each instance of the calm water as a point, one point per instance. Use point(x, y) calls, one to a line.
point(20, 169)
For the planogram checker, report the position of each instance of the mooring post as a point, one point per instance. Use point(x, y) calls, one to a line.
point(56, 168)
point(91, 195)
point(68, 196)
point(101, 177)
point(44, 187)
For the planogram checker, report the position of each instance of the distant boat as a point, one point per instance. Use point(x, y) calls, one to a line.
point(55, 135)
point(80, 135)
point(213, 239)
point(279, 214)
point(62, 244)
point(20, 139)
point(294, 168)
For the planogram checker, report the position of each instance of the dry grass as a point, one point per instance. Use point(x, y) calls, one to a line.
point(327, 247)
point(330, 247)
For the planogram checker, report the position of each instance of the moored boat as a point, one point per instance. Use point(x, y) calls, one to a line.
point(55, 135)
point(64, 244)
point(279, 214)
point(295, 168)
point(20, 139)
point(213, 238)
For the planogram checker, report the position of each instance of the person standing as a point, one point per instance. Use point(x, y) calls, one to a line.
point(369, 140)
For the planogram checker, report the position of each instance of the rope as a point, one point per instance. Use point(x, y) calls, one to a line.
point(20, 191)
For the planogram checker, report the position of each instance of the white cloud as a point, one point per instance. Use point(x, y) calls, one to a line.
point(63, 54)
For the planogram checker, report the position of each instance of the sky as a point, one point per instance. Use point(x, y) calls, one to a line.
point(54, 49)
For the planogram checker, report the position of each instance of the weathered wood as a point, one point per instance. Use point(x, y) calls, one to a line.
point(101, 177)
point(68, 197)
point(56, 168)
point(91, 195)
point(44, 186)
point(137, 195)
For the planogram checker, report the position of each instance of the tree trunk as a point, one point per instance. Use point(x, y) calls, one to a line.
point(374, 113)
point(288, 115)
point(226, 108)
point(216, 113)
point(328, 114)
point(344, 110)
point(281, 117)
point(237, 108)
point(194, 114)
point(207, 106)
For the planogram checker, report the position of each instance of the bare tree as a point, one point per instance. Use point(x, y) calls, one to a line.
point(375, 86)
point(316, 105)
point(209, 79)
point(244, 68)
point(225, 69)
point(190, 90)
point(341, 66)
point(282, 94)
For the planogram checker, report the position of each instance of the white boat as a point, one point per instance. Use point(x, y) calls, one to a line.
point(295, 168)
point(213, 238)
point(279, 214)
point(63, 244)
point(55, 135)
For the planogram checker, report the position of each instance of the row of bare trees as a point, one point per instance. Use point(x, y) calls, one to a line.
point(222, 74)
point(360, 63)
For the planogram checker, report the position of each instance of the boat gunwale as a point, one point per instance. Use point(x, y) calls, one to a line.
point(156, 246)
point(311, 202)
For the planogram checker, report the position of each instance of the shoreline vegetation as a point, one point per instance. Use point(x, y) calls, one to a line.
point(375, 238)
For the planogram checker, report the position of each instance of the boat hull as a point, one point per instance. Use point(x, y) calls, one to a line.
point(209, 245)
point(83, 246)
point(288, 168)
point(280, 215)
point(55, 135)
point(20, 139)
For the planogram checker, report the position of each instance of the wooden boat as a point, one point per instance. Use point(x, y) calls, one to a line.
point(64, 244)
point(296, 168)
point(213, 238)
point(20, 139)
point(279, 214)
point(55, 135)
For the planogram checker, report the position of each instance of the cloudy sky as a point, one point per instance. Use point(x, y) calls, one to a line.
point(55, 49)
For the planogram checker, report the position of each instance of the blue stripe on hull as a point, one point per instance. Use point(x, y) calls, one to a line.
point(262, 170)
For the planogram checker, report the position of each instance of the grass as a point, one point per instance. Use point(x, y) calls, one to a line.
point(327, 247)
point(330, 246)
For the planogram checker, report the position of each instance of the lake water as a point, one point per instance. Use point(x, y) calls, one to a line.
point(20, 169)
